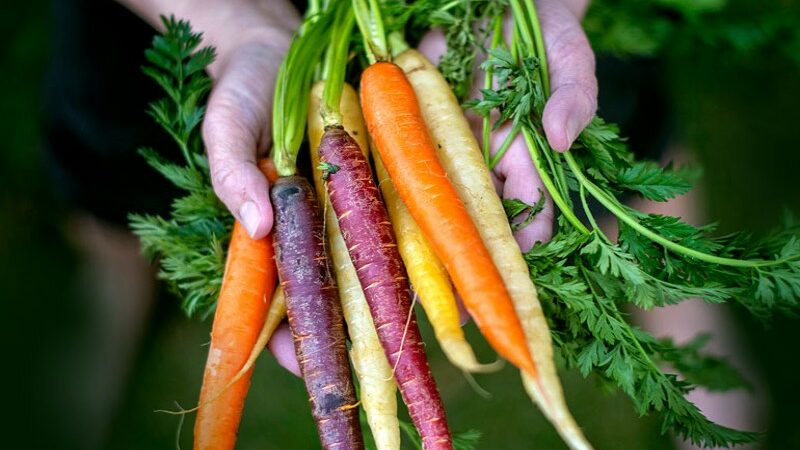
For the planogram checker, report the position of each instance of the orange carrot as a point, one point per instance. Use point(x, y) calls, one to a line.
point(396, 124)
point(247, 287)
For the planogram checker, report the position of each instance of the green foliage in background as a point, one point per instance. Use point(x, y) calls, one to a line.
point(647, 28)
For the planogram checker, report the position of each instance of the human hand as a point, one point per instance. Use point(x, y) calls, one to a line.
point(251, 38)
point(570, 108)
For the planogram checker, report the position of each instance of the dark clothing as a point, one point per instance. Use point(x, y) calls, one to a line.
point(94, 111)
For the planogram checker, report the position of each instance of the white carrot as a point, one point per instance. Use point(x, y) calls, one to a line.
point(461, 157)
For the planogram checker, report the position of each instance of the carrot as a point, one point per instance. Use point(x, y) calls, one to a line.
point(370, 241)
point(429, 278)
point(460, 155)
point(406, 149)
point(244, 299)
point(376, 381)
point(315, 316)
point(275, 315)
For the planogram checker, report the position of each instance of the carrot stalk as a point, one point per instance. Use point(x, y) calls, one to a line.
point(244, 298)
point(461, 157)
point(315, 316)
point(376, 381)
point(429, 279)
point(407, 151)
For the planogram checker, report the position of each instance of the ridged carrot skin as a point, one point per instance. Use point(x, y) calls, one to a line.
point(395, 123)
point(244, 298)
point(315, 315)
point(429, 278)
point(378, 390)
point(372, 246)
point(275, 315)
point(461, 157)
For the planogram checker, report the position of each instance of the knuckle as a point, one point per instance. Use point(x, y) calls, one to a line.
point(226, 180)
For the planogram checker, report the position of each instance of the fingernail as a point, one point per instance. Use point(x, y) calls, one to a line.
point(250, 218)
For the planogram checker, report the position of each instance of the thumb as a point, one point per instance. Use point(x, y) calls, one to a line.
point(235, 128)
point(574, 86)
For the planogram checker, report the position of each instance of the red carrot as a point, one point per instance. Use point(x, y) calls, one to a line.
point(314, 311)
point(368, 233)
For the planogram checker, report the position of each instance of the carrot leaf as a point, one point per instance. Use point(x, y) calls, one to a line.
point(587, 280)
point(189, 244)
point(515, 208)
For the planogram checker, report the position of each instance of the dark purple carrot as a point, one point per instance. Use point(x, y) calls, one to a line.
point(314, 311)
point(370, 240)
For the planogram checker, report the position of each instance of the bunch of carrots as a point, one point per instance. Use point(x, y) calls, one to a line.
point(348, 245)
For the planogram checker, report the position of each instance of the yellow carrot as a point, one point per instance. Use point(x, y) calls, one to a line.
point(378, 389)
point(429, 278)
point(460, 155)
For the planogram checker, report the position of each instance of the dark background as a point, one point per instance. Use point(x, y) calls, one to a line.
point(737, 113)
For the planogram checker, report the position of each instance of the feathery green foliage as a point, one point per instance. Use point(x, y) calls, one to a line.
point(190, 242)
point(515, 208)
point(588, 280)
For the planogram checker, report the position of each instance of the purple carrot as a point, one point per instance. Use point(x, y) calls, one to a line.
point(370, 240)
point(315, 314)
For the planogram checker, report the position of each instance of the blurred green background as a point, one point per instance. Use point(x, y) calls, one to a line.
point(734, 98)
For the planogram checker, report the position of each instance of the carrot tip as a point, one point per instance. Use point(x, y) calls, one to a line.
point(461, 355)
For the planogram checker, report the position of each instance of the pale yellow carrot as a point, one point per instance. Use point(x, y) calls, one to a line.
point(461, 157)
point(429, 278)
point(378, 388)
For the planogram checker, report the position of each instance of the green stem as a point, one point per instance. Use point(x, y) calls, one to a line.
point(550, 158)
point(497, 38)
point(380, 32)
point(179, 138)
point(336, 65)
point(521, 23)
point(548, 183)
point(186, 155)
point(616, 208)
point(370, 25)
point(538, 39)
point(361, 11)
point(515, 44)
point(284, 165)
point(504, 147)
point(290, 106)
point(397, 43)
point(589, 214)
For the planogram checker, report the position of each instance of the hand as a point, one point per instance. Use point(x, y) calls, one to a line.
point(251, 38)
point(570, 108)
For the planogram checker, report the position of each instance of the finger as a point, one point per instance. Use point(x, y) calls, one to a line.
point(235, 129)
point(433, 45)
point(282, 347)
point(520, 180)
point(573, 99)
